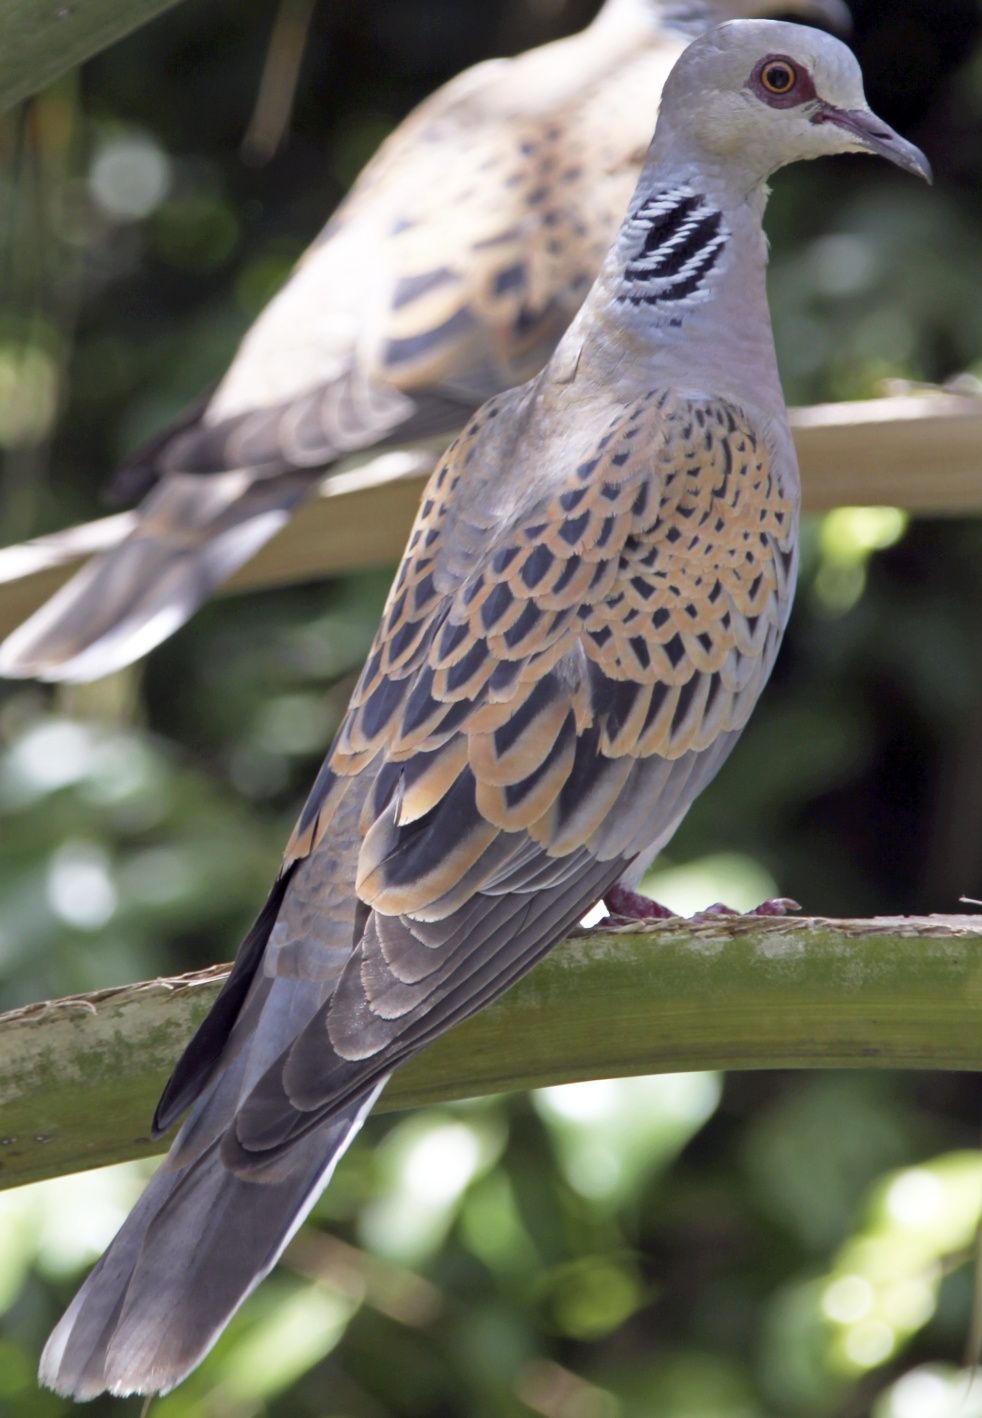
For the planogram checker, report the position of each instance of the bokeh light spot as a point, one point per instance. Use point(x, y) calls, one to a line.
point(847, 1299)
point(914, 1198)
point(130, 177)
point(79, 888)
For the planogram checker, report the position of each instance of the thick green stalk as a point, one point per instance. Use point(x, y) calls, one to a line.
point(80, 1076)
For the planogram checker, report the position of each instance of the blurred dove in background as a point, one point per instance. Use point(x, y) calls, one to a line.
point(448, 274)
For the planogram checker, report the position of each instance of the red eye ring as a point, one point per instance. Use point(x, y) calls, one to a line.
point(781, 82)
point(779, 77)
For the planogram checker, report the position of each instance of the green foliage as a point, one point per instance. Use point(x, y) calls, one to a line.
point(765, 1247)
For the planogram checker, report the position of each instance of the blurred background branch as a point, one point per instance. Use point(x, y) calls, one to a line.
point(919, 454)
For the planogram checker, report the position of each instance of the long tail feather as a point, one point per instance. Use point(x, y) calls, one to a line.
point(191, 534)
point(199, 1240)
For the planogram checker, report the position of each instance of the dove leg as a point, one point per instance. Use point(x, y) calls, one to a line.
point(632, 906)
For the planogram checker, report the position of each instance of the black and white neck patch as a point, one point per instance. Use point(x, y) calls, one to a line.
point(681, 236)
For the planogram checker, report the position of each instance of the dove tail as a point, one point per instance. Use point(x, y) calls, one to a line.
point(190, 534)
point(198, 1241)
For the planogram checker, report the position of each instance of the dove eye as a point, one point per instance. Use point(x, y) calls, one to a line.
point(780, 82)
point(778, 77)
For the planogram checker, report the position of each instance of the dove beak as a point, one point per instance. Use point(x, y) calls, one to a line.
point(872, 135)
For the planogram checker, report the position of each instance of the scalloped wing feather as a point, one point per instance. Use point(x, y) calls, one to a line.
point(533, 717)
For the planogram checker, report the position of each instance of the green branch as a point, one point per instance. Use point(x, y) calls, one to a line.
point(80, 1076)
point(40, 39)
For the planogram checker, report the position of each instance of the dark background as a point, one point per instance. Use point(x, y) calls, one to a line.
point(140, 815)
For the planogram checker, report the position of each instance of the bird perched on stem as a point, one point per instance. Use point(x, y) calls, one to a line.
point(590, 602)
point(449, 273)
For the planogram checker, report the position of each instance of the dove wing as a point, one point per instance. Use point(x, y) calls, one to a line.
point(543, 701)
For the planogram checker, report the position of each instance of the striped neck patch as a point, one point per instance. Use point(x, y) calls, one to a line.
point(680, 237)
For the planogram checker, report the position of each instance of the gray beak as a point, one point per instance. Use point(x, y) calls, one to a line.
point(872, 135)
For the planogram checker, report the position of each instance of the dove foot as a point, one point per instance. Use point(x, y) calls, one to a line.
point(625, 905)
point(776, 906)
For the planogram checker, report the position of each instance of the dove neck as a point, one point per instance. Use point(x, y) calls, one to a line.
point(682, 296)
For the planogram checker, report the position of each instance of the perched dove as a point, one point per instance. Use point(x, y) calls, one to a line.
point(448, 275)
point(588, 607)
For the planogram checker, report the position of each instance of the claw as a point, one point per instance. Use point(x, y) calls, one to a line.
point(776, 906)
point(625, 905)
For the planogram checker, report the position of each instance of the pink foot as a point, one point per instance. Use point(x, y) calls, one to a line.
point(632, 906)
point(625, 905)
point(777, 906)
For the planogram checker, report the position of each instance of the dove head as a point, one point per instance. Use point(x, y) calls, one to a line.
point(752, 95)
